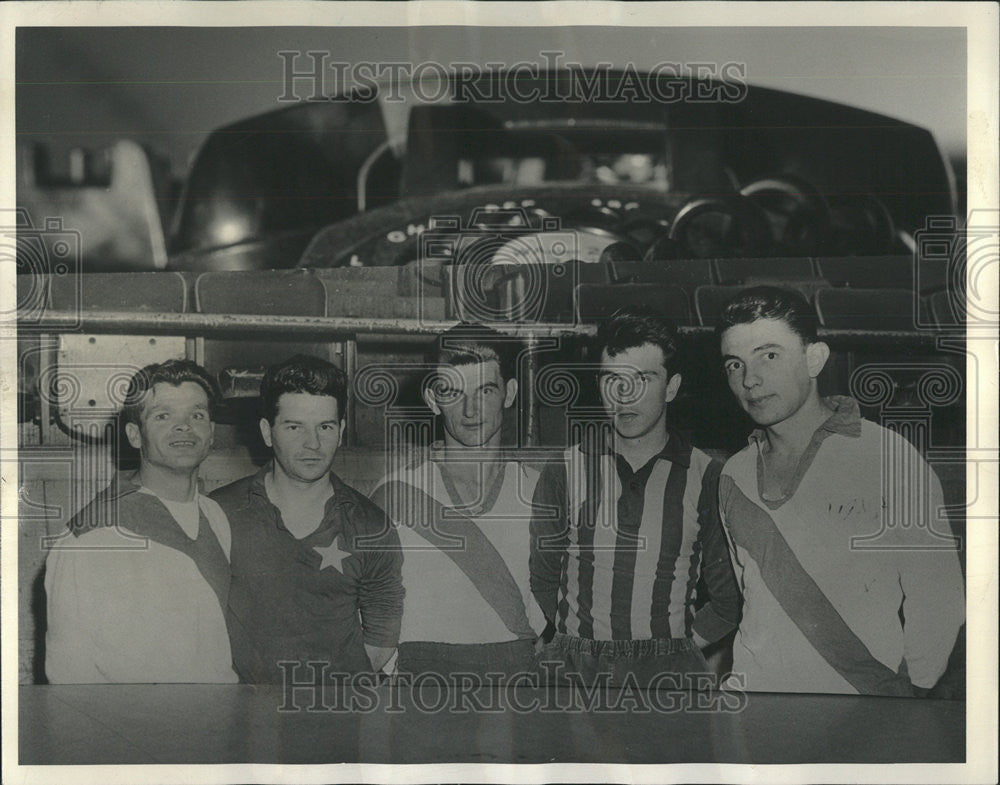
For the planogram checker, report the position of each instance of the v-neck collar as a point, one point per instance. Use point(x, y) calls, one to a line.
point(341, 497)
point(845, 420)
point(676, 450)
point(490, 498)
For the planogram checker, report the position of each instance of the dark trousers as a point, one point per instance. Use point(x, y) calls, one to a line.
point(664, 663)
point(480, 659)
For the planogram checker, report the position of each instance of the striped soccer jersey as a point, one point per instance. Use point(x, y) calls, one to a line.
point(617, 554)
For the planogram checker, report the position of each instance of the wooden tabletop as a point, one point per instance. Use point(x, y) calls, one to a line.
point(117, 724)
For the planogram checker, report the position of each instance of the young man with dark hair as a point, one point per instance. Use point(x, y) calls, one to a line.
point(626, 524)
point(139, 593)
point(316, 569)
point(850, 578)
point(463, 510)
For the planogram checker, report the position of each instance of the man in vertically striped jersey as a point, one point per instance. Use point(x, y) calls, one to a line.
point(850, 574)
point(624, 526)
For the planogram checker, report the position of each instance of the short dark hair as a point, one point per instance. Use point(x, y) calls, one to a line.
point(469, 343)
point(174, 372)
point(302, 373)
point(631, 327)
point(770, 302)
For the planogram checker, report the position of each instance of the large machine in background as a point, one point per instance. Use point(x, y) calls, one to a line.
point(354, 229)
point(399, 219)
point(514, 212)
point(259, 190)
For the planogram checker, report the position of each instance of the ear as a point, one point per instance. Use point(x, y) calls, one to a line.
point(511, 393)
point(673, 386)
point(265, 431)
point(340, 433)
point(133, 434)
point(816, 356)
point(428, 395)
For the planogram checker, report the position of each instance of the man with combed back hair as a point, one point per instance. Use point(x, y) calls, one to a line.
point(850, 574)
point(625, 526)
point(463, 509)
point(138, 592)
point(316, 594)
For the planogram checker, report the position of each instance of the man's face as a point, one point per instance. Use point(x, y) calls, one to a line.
point(471, 400)
point(175, 430)
point(770, 369)
point(305, 435)
point(636, 388)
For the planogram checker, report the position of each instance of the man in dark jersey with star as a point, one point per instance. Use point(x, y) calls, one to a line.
point(316, 588)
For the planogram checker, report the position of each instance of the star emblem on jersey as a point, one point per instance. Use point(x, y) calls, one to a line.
point(331, 556)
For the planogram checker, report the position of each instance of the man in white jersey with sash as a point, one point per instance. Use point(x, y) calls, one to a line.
point(850, 576)
point(463, 511)
point(138, 592)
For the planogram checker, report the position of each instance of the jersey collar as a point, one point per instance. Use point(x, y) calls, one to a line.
point(676, 450)
point(845, 420)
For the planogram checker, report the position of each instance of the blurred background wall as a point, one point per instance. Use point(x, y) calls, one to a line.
point(168, 87)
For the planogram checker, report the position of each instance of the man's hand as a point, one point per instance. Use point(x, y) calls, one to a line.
point(547, 635)
point(700, 642)
point(379, 655)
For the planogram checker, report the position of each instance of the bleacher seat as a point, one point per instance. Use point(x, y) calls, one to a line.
point(709, 300)
point(152, 292)
point(866, 309)
point(927, 275)
point(807, 287)
point(547, 293)
point(596, 302)
point(868, 272)
point(686, 273)
point(933, 274)
point(273, 292)
point(738, 271)
point(943, 309)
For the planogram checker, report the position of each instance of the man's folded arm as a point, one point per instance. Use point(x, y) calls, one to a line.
point(721, 614)
point(380, 592)
point(549, 537)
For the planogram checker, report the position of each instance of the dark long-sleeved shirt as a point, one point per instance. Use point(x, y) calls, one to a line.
point(320, 598)
point(617, 554)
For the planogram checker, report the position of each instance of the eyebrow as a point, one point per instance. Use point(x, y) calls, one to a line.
point(165, 407)
point(755, 350)
point(625, 369)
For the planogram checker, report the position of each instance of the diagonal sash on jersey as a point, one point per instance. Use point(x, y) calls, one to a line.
point(461, 539)
point(804, 602)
